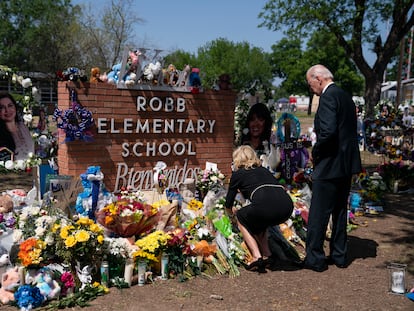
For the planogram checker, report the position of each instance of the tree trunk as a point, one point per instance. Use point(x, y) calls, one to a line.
point(373, 81)
point(372, 94)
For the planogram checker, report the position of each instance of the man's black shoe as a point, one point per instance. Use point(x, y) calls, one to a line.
point(275, 264)
point(330, 261)
point(315, 268)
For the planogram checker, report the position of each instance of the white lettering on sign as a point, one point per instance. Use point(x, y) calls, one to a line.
point(151, 149)
point(143, 180)
point(156, 126)
point(157, 104)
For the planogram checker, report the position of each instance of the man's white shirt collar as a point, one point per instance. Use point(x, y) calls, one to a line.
point(326, 86)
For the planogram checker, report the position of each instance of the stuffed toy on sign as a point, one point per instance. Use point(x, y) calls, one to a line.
point(130, 76)
point(152, 71)
point(72, 74)
point(194, 80)
point(170, 75)
point(95, 75)
point(113, 75)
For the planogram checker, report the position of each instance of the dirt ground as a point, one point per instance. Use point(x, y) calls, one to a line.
point(364, 285)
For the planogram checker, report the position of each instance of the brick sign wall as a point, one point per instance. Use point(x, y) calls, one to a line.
point(134, 129)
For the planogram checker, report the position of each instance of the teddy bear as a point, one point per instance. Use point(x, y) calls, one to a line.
point(6, 203)
point(194, 78)
point(10, 280)
point(113, 75)
point(132, 64)
point(95, 75)
point(152, 71)
point(48, 287)
point(171, 75)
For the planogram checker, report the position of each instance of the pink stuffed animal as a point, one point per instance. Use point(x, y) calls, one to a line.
point(10, 280)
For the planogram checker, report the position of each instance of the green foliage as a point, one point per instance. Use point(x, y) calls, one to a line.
point(244, 64)
point(36, 33)
point(78, 299)
point(180, 58)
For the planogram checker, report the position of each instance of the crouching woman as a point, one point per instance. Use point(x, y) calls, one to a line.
point(269, 204)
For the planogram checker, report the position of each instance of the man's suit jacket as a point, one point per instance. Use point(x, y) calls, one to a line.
point(336, 152)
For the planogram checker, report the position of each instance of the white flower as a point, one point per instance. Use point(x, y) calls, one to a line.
point(201, 232)
point(49, 240)
point(214, 178)
point(36, 94)
point(40, 231)
point(26, 83)
point(27, 118)
point(17, 235)
point(20, 165)
point(221, 176)
point(9, 165)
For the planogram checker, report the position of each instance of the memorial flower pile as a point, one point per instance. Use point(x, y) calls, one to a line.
point(396, 170)
point(129, 215)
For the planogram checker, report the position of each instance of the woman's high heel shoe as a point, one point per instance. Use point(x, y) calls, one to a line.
point(259, 265)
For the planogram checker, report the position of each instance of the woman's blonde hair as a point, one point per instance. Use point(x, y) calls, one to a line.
point(245, 157)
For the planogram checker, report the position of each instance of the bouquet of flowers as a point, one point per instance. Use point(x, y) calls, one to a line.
point(81, 241)
point(128, 216)
point(30, 252)
point(151, 245)
point(117, 252)
point(35, 230)
point(178, 249)
point(209, 179)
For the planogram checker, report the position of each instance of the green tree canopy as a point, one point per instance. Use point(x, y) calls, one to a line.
point(36, 35)
point(244, 64)
point(179, 59)
point(355, 23)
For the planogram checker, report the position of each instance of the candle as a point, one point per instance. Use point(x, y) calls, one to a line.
point(398, 282)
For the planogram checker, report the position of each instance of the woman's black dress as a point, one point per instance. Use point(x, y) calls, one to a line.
point(269, 205)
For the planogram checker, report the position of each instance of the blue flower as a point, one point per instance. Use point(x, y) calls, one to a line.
point(28, 296)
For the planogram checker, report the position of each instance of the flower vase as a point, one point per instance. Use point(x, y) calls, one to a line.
point(164, 266)
point(142, 269)
point(129, 271)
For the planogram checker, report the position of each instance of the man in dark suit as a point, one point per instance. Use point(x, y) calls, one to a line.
point(335, 158)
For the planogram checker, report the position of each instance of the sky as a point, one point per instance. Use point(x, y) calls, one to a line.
point(188, 25)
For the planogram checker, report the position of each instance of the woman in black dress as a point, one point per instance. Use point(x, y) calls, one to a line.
point(269, 204)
